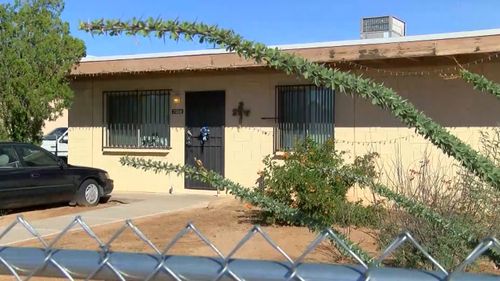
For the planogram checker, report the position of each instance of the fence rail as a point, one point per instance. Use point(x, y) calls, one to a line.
point(106, 264)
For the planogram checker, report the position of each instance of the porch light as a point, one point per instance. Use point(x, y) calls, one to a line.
point(176, 99)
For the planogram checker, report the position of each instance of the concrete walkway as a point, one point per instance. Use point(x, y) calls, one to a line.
point(141, 206)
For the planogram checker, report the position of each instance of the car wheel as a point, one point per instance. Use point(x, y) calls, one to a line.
point(88, 194)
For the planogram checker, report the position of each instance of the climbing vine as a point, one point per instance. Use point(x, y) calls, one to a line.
point(320, 75)
point(481, 83)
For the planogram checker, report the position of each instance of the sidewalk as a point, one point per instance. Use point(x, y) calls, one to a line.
point(140, 207)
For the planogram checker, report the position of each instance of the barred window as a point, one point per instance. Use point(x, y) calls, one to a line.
point(303, 111)
point(137, 119)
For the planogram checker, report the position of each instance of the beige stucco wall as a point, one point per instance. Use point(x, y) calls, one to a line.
point(360, 127)
point(452, 103)
point(244, 146)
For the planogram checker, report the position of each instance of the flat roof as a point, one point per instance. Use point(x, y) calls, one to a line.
point(468, 42)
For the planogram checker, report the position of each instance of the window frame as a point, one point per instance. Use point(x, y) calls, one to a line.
point(278, 138)
point(18, 147)
point(138, 93)
point(19, 161)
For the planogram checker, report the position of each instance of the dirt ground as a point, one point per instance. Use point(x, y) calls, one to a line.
point(224, 222)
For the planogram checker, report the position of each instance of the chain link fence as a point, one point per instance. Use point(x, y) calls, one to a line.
point(24, 263)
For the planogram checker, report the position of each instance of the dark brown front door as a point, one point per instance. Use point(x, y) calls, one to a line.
point(205, 110)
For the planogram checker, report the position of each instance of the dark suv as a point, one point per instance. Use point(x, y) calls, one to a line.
point(30, 175)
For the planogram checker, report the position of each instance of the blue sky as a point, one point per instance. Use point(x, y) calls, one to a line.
point(278, 21)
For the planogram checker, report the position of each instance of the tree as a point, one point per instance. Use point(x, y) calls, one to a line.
point(37, 53)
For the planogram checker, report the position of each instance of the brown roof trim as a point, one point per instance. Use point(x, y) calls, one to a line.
point(226, 61)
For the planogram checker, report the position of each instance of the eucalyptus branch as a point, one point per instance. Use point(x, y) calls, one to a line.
point(320, 75)
point(481, 83)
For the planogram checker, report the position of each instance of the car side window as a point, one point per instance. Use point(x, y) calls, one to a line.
point(64, 139)
point(8, 157)
point(33, 156)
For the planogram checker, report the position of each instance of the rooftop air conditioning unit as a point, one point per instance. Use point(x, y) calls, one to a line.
point(382, 27)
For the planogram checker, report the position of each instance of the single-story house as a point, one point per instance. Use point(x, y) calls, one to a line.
point(230, 112)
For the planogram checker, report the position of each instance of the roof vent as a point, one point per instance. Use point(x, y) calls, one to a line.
point(382, 27)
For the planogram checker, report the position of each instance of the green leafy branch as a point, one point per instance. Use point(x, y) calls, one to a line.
point(282, 211)
point(481, 83)
point(320, 75)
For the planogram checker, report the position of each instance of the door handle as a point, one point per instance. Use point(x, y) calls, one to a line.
point(35, 175)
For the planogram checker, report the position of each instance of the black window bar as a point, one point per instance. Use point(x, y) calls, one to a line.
point(137, 119)
point(303, 111)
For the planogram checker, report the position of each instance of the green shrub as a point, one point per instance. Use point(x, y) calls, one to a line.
point(315, 179)
point(357, 215)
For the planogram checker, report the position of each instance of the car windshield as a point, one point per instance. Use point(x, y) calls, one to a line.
point(55, 133)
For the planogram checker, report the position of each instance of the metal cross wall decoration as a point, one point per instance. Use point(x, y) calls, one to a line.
point(241, 111)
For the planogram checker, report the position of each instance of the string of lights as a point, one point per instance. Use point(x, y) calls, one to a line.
point(408, 137)
point(380, 142)
point(261, 131)
point(349, 142)
point(161, 69)
point(450, 72)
